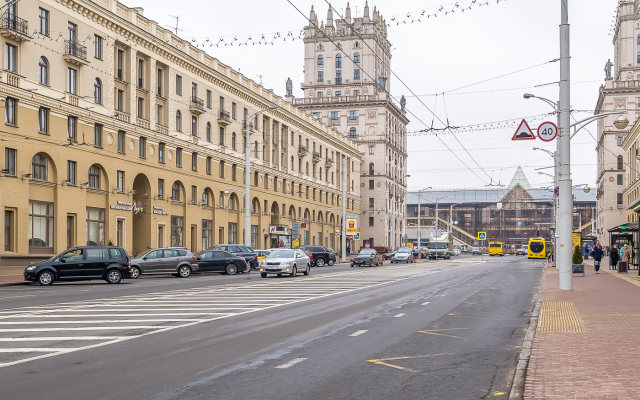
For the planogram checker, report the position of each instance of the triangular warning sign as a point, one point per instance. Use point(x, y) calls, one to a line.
point(524, 132)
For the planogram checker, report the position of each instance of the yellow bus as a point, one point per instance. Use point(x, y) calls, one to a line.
point(537, 248)
point(496, 249)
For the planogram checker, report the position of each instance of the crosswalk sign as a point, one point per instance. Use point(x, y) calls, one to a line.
point(482, 235)
point(356, 236)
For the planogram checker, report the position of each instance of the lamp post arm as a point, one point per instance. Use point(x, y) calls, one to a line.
point(589, 120)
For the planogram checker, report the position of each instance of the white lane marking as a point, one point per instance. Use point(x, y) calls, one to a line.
point(86, 328)
point(32, 350)
point(61, 338)
point(96, 321)
point(358, 333)
point(399, 315)
point(116, 315)
point(291, 363)
point(425, 303)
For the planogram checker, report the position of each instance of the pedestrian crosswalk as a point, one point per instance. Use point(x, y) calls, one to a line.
point(33, 333)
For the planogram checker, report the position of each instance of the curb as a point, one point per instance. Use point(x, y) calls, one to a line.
point(13, 283)
point(519, 378)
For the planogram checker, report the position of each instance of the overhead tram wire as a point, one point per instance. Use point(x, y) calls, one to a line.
point(373, 79)
point(412, 92)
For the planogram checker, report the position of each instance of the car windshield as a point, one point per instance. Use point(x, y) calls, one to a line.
point(405, 250)
point(438, 245)
point(366, 252)
point(282, 254)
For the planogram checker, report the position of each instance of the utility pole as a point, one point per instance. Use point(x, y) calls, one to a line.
point(393, 218)
point(419, 215)
point(565, 213)
point(436, 231)
point(247, 186)
point(344, 210)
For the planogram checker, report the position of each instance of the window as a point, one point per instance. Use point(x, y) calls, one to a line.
point(356, 56)
point(178, 85)
point(44, 22)
point(121, 137)
point(175, 191)
point(207, 231)
point(140, 73)
point(43, 71)
point(371, 221)
point(353, 115)
point(221, 103)
point(141, 107)
point(194, 126)
point(94, 177)
point(292, 164)
point(97, 92)
point(142, 150)
point(334, 115)
point(233, 141)
point(620, 202)
point(10, 161)
point(372, 150)
point(233, 110)
point(221, 137)
point(194, 193)
point(179, 157)
point(176, 231)
point(338, 77)
point(71, 172)
point(9, 231)
point(10, 111)
point(371, 169)
point(120, 182)
point(97, 47)
point(209, 99)
point(233, 232)
point(352, 133)
point(371, 184)
point(97, 135)
point(120, 65)
point(619, 179)
point(232, 203)
point(321, 59)
point(160, 188)
point(320, 76)
point(10, 57)
point(120, 100)
point(208, 166)
point(338, 61)
point(72, 81)
point(356, 92)
point(338, 93)
point(307, 168)
point(160, 72)
point(72, 128)
point(40, 227)
point(161, 150)
point(620, 140)
point(221, 171)
point(208, 131)
point(320, 94)
point(178, 121)
point(371, 202)
point(194, 161)
point(356, 74)
point(620, 162)
point(233, 172)
point(159, 114)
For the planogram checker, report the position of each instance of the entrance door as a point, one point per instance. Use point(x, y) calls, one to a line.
point(194, 239)
point(120, 233)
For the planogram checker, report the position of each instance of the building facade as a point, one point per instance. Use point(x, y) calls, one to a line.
point(117, 131)
point(347, 86)
point(620, 92)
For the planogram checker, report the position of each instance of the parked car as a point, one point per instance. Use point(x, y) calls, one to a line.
point(476, 251)
point(84, 263)
point(320, 255)
point(240, 250)
point(177, 261)
point(221, 261)
point(367, 257)
point(403, 255)
point(285, 261)
point(262, 254)
point(456, 252)
point(389, 255)
point(332, 256)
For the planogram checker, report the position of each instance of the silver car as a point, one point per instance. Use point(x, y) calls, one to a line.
point(177, 261)
point(285, 261)
point(403, 255)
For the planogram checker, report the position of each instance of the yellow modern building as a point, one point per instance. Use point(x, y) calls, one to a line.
point(118, 131)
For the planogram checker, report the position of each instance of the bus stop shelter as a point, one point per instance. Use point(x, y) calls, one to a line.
point(627, 234)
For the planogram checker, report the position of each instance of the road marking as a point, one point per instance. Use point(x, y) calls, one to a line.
point(86, 328)
point(399, 315)
point(381, 361)
point(94, 321)
point(32, 350)
point(425, 303)
point(291, 363)
point(358, 333)
point(62, 338)
point(15, 297)
point(435, 332)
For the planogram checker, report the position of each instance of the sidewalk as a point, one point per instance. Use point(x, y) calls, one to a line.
point(587, 343)
point(11, 275)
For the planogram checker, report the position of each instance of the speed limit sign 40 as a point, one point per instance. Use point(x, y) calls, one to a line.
point(547, 131)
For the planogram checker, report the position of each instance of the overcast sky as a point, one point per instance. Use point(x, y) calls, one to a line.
point(434, 56)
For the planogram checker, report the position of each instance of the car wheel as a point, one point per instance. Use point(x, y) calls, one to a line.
point(114, 276)
point(294, 271)
point(184, 271)
point(308, 270)
point(231, 269)
point(135, 272)
point(330, 262)
point(46, 278)
point(262, 274)
point(320, 262)
point(247, 269)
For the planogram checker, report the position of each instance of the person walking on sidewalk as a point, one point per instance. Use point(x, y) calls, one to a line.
point(614, 256)
point(597, 253)
point(586, 251)
point(626, 254)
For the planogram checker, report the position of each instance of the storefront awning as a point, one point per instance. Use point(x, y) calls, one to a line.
point(625, 228)
point(635, 206)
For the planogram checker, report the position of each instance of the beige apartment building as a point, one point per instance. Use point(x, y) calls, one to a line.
point(347, 85)
point(117, 131)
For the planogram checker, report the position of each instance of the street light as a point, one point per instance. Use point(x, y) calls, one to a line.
point(419, 214)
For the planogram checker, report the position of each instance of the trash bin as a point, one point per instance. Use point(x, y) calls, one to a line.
point(623, 266)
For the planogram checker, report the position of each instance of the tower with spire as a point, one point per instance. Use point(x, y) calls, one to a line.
point(347, 85)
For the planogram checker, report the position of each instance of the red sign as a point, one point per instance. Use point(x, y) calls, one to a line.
point(523, 132)
point(547, 131)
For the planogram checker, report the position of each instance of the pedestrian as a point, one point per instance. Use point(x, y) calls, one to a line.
point(597, 253)
point(586, 251)
point(614, 256)
point(626, 254)
point(348, 250)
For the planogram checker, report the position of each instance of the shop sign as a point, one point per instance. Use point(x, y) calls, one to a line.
point(159, 210)
point(352, 223)
point(121, 207)
point(279, 230)
point(295, 229)
point(137, 207)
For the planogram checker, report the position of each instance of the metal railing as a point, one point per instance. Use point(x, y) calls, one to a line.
point(224, 116)
point(197, 102)
point(302, 150)
point(75, 49)
point(316, 157)
point(16, 24)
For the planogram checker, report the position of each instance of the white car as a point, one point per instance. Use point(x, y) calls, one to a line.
point(456, 252)
point(403, 255)
point(285, 261)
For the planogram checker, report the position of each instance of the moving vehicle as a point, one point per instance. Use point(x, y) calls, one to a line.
point(522, 251)
point(240, 250)
point(537, 248)
point(262, 254)
point(84, 263)
point(367, 257)
point(389, 255)
point(320, 255)
point(440, 247)
point(476, 251)
point(496, 249)
point(403, 255)
point(177, 261)
point(289, 261)
point(456, 252)
point(332, 256)
point(221, 261)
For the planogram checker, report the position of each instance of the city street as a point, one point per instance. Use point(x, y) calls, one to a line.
point(436, 330)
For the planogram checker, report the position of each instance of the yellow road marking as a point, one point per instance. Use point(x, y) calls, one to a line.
point(499, 393)
point(381, 361)
point(435, 332)
point(15, 297)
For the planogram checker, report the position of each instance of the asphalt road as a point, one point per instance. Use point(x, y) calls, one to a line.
point(445, 330)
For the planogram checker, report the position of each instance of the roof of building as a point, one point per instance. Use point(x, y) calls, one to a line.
point(519, 178)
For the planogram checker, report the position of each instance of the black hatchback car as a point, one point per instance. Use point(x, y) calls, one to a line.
point(221, 261)
point(240, 250)
point(320, 255)
point(86, 263)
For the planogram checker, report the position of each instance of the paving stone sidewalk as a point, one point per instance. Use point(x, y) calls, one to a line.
point(596, 355)
point(10, 275)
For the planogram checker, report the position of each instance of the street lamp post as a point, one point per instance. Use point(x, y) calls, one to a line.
point(343, 249)
point(437, 223)
point(420, 215)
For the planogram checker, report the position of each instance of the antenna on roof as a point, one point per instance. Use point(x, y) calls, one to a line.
point(176, 29)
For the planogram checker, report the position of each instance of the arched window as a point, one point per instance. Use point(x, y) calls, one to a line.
point(356, 58)
point(175, 191)
point(43, 71)
point(208, 131)
point(292, 164)
point(232, 202)
point(338, 61)
point(178, 121)
point(97, 91)
point(620, 162)
point(206, 198)
point(321, 59)
point(233, 141)
point(39, 167)
point(255, 204)
point(94, 177)
point(352, 132)
point(371, 169)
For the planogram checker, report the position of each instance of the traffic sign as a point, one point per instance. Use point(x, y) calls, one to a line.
point(547, 131)
point(482, 235)
point(356, 236)
point(523, 132)
point(521, 223)
point(556, 191)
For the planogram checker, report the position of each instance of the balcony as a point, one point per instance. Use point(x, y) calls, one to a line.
point(122, 116)
point(142, 123)
point(197, 105)
point(328, 162)
point(162, 129)
point(75, 53)
point(224, 118)
point(316, 157)
point(302, 151)
point(15, 28)
point(244, 128)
